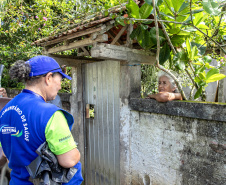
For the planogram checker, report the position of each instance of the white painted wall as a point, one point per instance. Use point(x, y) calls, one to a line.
point(168, 150)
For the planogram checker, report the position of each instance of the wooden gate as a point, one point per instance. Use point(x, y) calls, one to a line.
point(101, 91)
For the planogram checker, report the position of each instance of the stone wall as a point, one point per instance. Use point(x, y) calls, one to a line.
point(173, 143)
point(65, 97)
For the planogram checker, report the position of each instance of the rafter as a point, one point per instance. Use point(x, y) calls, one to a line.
point(119, 34)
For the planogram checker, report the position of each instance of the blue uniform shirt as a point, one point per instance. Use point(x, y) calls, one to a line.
point(22, 130)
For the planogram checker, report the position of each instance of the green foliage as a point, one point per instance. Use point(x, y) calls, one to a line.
point(164, 54)
point(25, 21)
point(211, 7)
point(145, 11)
point(149, 80)
point(192, 28)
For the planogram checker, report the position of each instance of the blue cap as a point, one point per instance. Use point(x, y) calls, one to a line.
point(41, 65)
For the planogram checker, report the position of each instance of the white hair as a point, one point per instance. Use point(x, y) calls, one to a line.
point(171, 80)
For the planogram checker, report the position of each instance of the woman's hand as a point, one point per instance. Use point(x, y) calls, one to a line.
point(165, 96)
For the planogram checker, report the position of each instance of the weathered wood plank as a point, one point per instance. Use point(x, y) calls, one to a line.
point(72, 61)
point(119, 34)
point(107, 51)
point(129, 41)
point(112, 35)
point(84, 53)
point(71, 36)
point(78, 44)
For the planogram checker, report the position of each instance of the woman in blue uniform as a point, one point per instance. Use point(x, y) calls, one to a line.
point(27, 121)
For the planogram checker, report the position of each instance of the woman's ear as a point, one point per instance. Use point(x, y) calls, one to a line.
point(48, 78)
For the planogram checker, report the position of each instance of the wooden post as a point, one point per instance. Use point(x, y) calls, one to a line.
point(77, 109)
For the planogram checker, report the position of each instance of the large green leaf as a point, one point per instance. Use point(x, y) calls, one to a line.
point(197, 79)
point(164, 54)
point(203, 27)
point(198, 93)
point(153, 36)
point(184, 32)
point(144, 27)
point(133, 9)
point(208, 66)
point(215, 77)
point(145, 11)
point(190, 29)
point(188, 44)
point(200, 69)
point(201, 48)
point(207, 59)
point(183, 7)
point(202, 76)
point(197, 18)
point(144, 39)
point(211, 7)
point(135, 32)
point(212, 72)
point(180, 60)
point(194, 52)
point(176, 4)
point(174, 30)
point(169, 16)
point(181, 18)
point(120, 20)
point(177, 40)
point(195, 11)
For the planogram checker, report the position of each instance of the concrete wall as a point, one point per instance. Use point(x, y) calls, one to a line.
point(173, 143)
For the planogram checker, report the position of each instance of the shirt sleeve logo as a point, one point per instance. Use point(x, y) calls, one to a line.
point(5, 129)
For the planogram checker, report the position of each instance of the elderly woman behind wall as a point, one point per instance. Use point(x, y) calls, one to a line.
point(167, 89)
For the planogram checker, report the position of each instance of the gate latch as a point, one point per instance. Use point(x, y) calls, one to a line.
point(90, 111)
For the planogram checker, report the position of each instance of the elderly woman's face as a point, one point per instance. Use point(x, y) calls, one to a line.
point(165, 85)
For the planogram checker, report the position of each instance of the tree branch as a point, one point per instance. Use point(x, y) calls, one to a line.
point(158, 51)
point(210, 38)
point(182, 24)
point(134, 19)
point(191, 12)
point(165, 33)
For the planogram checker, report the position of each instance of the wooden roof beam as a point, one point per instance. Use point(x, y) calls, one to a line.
point(112, 35)
point(119, 34)
point(72, 61)
point(71, 36)
point(122, 53)
point(100, 28)
point(84, 53)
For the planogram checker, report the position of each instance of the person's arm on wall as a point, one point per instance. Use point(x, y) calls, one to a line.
point(165, 96)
